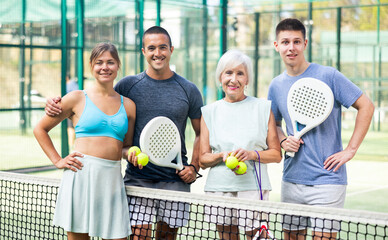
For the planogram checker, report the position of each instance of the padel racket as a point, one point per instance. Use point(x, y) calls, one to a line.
point(309, 103)
point(161, 141)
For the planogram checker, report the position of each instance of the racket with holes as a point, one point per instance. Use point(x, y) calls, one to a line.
point(161, 141)
point(309, 103)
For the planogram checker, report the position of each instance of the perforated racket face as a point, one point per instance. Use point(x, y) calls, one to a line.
point(309, 100)
point(160, 140)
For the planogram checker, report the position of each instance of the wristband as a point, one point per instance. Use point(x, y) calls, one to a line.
point(282, 141)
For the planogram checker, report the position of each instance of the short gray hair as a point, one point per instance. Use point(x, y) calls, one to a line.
point(232, 59)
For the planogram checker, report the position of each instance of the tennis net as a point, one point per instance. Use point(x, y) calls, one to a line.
point(27, 205)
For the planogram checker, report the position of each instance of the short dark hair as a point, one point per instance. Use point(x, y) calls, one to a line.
point(157, 30)
point(290, 24)
point(100, 48)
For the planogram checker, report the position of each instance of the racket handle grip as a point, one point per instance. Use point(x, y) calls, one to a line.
point(290, 154)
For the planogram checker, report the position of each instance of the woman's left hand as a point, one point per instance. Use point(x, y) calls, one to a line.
point(242, 154)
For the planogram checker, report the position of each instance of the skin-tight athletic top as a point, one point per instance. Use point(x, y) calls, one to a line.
point(95, 123)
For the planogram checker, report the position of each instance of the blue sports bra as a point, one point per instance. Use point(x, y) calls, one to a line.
point(95, 123)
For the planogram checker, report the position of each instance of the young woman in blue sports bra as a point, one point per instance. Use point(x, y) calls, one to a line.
point(92, 199)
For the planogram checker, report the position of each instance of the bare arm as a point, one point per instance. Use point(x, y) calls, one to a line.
point(188, 174)
point(273, 153)
point(130, 108)
point(290, 143)
point(42, 129)
point(196, 123)
point(279, 130)
point(365, 110)
point(207, 158)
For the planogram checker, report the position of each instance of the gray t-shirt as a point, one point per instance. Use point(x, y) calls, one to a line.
point(175, 98)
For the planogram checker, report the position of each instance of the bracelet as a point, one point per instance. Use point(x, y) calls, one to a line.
point(282, 141)
point(258, 156)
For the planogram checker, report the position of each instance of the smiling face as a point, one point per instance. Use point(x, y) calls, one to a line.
point(104, 68)
point(233, 81)
point(291, 45)
point(157, 51)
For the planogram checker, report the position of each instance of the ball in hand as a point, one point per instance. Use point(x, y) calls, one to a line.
point(142, 159)
point(242, 168)
point(134, 149)
point(231, 162)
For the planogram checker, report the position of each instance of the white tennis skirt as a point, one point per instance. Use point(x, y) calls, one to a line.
point(93, 200)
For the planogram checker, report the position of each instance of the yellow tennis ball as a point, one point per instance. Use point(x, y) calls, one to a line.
point(231, 162)
point(242, 169)
point(142, 159)
point(134, 149)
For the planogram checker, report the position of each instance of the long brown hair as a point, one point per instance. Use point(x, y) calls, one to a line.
point(100, 48)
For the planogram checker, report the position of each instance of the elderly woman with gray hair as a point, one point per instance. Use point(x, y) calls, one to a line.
point(244, 127)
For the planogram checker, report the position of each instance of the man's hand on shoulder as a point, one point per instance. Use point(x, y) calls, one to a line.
point(52, 108)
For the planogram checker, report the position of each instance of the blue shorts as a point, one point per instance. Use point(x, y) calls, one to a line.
point(327, 195)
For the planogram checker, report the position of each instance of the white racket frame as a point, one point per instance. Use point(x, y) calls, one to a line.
point(308, 115)
point(161, 141)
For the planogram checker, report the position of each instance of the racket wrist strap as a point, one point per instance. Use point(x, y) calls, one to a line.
point(284, 139)
point(196, 171)
point(258, 156)
point(258, 177)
